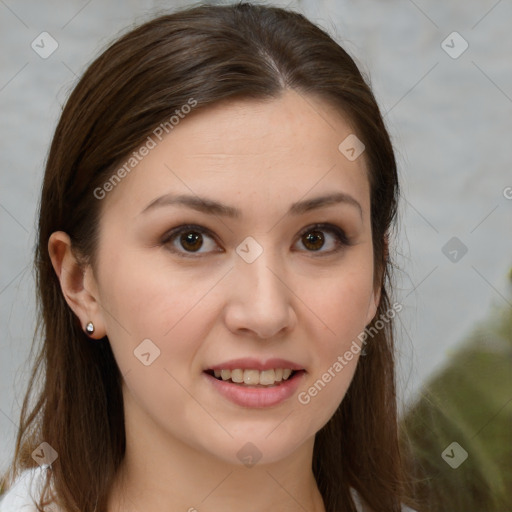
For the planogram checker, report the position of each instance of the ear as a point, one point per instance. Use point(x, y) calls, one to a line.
point(77, 283)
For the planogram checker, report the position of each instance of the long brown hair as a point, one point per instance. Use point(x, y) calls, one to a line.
point(211, 54)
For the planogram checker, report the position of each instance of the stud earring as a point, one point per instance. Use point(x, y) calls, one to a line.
point(89, 328)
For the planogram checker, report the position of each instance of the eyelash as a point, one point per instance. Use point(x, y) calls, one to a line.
point(341, 238)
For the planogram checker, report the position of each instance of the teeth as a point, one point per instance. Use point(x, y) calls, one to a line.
point(237, 375)
point(251, 377)
point(254, 377)
point(267, 377)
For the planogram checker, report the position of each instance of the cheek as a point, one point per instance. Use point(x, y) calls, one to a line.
point(341, 300)
point(168, 306)
point(341, 304)
point(174, 316)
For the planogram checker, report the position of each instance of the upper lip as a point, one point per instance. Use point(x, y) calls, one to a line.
point(251, 363)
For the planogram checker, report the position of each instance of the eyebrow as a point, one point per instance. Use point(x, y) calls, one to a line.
point(212, 207)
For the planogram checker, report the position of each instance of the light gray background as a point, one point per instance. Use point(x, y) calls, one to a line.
point(450, 120)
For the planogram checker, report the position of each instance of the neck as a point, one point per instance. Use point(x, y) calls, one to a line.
point(160, 473)
point(248, 489)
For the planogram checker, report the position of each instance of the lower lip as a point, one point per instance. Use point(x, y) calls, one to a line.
point(257, 397)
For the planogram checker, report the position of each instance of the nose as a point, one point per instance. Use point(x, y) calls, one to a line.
point(260, 300)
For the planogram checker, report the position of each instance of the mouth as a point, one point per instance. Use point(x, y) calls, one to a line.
point(253, 378)
point(253, 388)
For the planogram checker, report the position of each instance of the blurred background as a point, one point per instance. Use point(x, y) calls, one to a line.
point(442, 74)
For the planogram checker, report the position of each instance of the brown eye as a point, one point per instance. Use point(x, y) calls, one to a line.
point(315, 237)
point(313, 240)
point(191, 241)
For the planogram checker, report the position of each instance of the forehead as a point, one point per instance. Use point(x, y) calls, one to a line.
point(253, 152)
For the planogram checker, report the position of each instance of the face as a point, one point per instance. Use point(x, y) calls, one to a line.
point(260, 270)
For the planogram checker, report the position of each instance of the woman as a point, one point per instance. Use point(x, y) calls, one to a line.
point(213, 274)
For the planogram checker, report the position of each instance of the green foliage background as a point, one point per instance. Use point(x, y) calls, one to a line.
point(470, 402)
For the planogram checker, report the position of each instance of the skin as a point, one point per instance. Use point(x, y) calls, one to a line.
point(292, 302)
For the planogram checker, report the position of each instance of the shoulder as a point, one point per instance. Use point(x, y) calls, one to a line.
point(24, 492)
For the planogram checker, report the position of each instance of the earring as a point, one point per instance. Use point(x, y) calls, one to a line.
point(89, 328)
